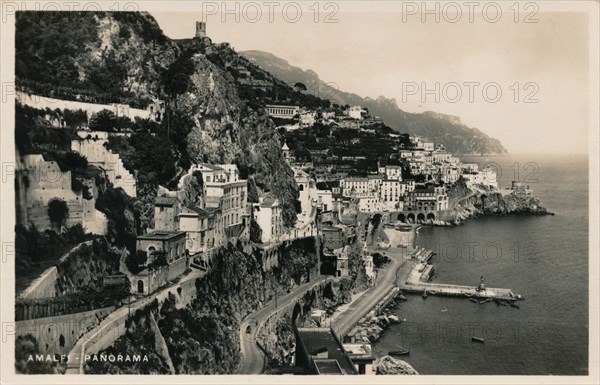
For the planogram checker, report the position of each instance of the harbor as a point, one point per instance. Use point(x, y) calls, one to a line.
point(420, 271)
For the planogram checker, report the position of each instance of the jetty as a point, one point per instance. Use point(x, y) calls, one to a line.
point(418, 273)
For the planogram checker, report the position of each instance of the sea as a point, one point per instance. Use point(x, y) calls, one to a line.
point(543, 258)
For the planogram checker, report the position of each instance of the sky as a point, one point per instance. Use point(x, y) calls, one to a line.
point(521, 76)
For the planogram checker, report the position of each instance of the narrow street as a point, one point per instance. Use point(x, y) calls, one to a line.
point(387, 279)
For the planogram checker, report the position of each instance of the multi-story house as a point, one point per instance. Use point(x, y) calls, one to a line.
point(426, 199)
point(224, 189)
point(268, 215)
point(391, 172)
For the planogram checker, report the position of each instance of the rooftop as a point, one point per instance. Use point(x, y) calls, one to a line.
point(280, 106)
point(212, 167)
point(166, 201)
point(194, 210)
point(317, 339)
point(269, 201)
point(161, 235)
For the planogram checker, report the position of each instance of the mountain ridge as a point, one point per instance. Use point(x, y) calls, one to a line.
point(441, 128)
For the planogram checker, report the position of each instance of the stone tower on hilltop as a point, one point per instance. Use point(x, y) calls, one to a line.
point(200, 29)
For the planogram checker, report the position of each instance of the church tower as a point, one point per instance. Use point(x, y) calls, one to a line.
point(286, 152)
point(200, 29)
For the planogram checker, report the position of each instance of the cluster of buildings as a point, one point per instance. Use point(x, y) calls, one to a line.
point(223, 213)
point(425, 158)
point(187, 233)
point(355, 117)
point(387, 191)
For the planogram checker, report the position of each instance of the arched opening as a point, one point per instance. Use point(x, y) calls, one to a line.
point(402, 217)
point(179, 291)
point(430, 217)
point(296, 312)
point(338, 273)
point(411, 218)
point(300, 187)
point(420, 217)
point(61, 341)
point(140, 287)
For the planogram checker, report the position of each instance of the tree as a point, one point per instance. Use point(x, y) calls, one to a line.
point(104, 120)
point(25, 347)
point(58, 211)
point(75, 118)
point(300, 87)
point(192, 189)
point(69, 161)
point(75, 234)
point(135, 262)
point(160, 259)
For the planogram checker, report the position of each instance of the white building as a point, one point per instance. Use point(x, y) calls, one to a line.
point(225, 190)
point(369, 203)
point(392, 172)
point(355, 112)
point(307, 191)
point(283, 112)
point(486, 177)
point(360, 186)
point(268, 216)
point(325, 200)
point(391, 190)
point(308, 119)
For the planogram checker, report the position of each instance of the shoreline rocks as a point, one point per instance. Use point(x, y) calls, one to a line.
point(370, 328)
point(392, 366)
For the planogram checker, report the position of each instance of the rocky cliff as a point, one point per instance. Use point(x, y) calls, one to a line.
point(474, 203)
point(209, 114)
point(203, 338)
point(449, 131)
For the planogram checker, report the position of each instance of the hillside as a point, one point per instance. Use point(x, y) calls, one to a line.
point(213, 111)
point(444, 129)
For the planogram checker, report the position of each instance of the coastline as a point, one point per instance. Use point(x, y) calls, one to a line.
point(414, 259)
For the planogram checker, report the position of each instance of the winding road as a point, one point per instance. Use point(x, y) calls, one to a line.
point(76, 362)
point(253, 359)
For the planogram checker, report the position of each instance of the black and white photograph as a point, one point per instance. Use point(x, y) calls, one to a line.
point(228, 191)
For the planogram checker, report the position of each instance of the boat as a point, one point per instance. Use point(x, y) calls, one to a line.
point(502, 303)
point(401, 352)
point(515, 305)
point(489, 300)
point(477, 339)
point(402, 298)
point(444, 310)
point(473, 300)
point(482, 301)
